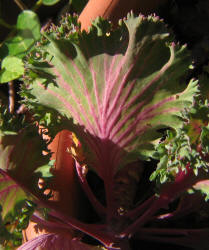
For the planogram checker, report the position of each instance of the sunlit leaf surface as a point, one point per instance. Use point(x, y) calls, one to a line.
point(118, 86)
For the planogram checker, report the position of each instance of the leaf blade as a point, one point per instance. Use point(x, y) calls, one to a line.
point(28, 32)
point(10, 194)
point(116, 89)
point(12, 68)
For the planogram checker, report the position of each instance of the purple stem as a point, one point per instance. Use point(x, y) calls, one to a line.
point(183, 181)
point(143, 219)
point(140, 209)
point(109, 197)
point(98, 232)
point(100, 209)
point(49, 224)
point(108, 178)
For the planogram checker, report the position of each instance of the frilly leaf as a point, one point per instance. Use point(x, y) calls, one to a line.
point(20, 161)
point(21, 153)
point(10, 194)
point(116, 87)
point(188, 146)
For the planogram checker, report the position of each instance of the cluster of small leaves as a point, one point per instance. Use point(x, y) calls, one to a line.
point(67, 29)
point(186, 147)
point(11, 227)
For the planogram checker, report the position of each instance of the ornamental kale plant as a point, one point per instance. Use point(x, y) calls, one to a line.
point(122, 94)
